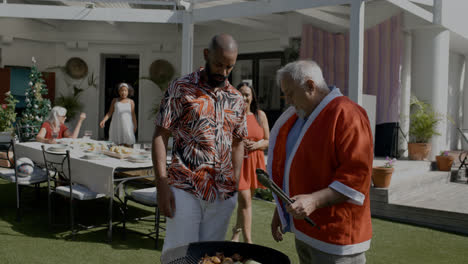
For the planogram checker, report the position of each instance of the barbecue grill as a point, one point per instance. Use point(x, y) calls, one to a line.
point(194, 252)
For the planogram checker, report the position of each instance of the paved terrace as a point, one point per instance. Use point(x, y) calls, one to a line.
point(420, 196)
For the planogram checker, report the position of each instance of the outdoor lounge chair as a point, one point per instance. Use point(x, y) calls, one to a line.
point(463, 157)
point(60, 182)
point(10, 173)
point(144, 196)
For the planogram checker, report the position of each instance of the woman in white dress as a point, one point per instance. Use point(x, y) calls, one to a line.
point(123, 125)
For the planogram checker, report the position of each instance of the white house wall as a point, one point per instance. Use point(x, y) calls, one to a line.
point(20, 53)
point(453, 16)
point(148, 42)
point(249, 41)
point(49, 42)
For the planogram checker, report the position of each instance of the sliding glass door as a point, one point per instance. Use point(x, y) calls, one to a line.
point(259, 69)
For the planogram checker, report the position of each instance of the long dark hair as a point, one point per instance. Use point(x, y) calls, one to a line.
point(254, 104)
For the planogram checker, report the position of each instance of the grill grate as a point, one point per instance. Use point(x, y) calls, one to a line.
point(192, 253)
point(185, 260)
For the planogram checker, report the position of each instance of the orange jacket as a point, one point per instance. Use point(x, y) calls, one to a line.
point(334, 150)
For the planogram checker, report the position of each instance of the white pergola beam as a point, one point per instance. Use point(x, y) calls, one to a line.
point(90, 14)
point(413, 9)
point(356, 51)
point(424, 2)
point(324, 16)
point(49, 23)
point(248, 9)
point(253, 24)
point(344, 10)
point(127, 2)
point(201, 1)
point(187, 43)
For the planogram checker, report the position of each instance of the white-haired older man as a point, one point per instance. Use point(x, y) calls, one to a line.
point(321, 154)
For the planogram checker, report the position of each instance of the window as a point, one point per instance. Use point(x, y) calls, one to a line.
point(260, 70)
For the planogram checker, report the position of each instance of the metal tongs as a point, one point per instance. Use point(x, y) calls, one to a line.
point(264, 179)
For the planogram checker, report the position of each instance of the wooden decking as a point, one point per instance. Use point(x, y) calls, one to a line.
point(422, 197)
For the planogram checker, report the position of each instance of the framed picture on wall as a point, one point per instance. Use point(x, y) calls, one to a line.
point(19, 81)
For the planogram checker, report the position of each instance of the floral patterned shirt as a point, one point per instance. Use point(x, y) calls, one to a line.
point(203, 123)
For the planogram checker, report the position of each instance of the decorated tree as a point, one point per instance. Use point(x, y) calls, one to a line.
point(37, 108)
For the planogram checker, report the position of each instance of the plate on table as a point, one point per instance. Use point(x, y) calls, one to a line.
point(139, 158)
point(65, 141)
point(92, 156)
point(145, 153)
point(58, 148)
point(116, 155)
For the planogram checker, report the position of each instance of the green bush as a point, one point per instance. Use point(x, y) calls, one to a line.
point(7, 113)
point(423, 121)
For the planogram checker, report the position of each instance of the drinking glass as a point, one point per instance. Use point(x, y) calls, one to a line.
point(54, 134)
point(147, 146)
point(87, 134)
point(246, 153)
point(136, 147)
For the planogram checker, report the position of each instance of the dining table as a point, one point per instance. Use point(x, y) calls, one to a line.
point(92, 169)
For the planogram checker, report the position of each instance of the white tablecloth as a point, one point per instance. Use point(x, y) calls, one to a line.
point(97, 175)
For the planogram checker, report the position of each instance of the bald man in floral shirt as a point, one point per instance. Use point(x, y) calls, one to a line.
point(206, 117)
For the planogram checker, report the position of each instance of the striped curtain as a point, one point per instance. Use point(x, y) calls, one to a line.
point(383, 47)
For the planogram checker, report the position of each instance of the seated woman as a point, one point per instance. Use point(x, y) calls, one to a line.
point(54, 127)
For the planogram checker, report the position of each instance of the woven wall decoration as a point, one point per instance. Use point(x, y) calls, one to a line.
point(76, 68)
point(161, 72)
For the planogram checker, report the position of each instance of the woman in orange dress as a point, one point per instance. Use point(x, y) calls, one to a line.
point(254, 145)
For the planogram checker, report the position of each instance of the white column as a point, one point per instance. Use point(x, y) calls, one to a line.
point(465, 96)
point(430, 65)
point(405, 97)
point(356, 51)
point(187, 43)
point(464, 120)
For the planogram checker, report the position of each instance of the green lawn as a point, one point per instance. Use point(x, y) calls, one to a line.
point(32, 242)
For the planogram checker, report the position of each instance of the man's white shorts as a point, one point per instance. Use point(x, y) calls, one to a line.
point(197, 220)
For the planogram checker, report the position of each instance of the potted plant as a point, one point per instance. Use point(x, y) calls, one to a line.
point(444, 161)
point(423, 123)
point(382, 175)
point(7, 117)
point(71, 103)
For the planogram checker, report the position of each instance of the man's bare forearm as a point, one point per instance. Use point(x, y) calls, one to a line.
point(159, 152)
point(237, 157)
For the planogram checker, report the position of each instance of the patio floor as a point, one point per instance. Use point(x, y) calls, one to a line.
point(420, 196)
point(30, 241)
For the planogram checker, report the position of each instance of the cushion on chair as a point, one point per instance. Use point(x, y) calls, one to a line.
point(39, 175)
point(7, 174)
point(25, 167)
point(79, 192)
point(146, 196)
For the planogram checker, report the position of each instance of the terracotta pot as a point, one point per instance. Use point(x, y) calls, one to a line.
point(444, 163)
point(418, 151)
point(381, 176)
